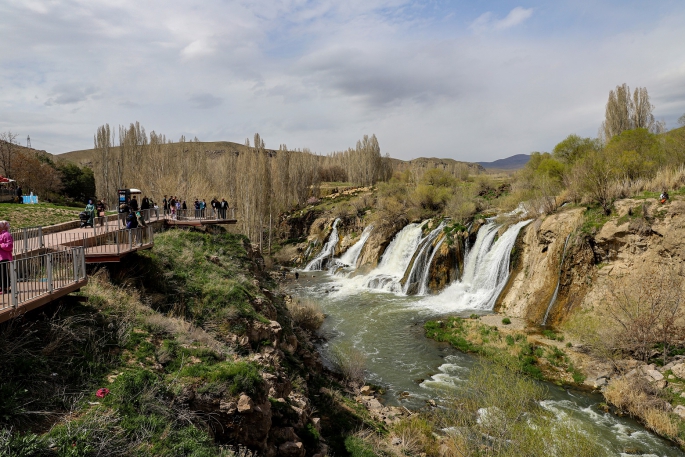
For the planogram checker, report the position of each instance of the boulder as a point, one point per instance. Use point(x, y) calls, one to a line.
point(680, 411)
point(679, 370)
point(291, 449)
point(655, 375)
point(245, 404)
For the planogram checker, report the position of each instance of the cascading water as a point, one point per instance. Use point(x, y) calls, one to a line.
point(387, 276)
point(327, 251)
point(485, 274)
point(425, 279)
point(421, 264)
point(349, 258)
point(556, 290)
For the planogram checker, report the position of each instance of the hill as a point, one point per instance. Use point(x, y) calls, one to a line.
point(510, 163)
point(85, 157)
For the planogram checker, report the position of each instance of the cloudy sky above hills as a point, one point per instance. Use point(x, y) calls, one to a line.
point(471, 80)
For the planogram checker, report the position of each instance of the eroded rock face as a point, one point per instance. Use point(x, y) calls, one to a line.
point(447, 265)
point(380, 238)
point(531, 287)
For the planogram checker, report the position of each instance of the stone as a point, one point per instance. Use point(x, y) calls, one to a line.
point(600, 382)
point(679, 370)
point(374, 404)
point(680, 411)
point(366, 390)
point(291, 449)
point(661, 384)
point(227, 407)
point(316, 422)
point(245, 404)
point(670, 376)
point(655, 375)
point(396, 441)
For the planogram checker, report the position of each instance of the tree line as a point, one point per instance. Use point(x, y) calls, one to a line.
point(39, 172)
point(260, 183)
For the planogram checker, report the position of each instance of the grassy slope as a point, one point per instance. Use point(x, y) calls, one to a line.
point(42, 214)
point(166, 322)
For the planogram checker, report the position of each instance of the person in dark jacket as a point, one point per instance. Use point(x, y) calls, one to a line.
point(131, 220)
point(134, 204)
point(145, 204)
point(165, 205)
point(223, 207)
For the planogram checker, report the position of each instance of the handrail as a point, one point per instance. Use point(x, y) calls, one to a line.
point(25, 279)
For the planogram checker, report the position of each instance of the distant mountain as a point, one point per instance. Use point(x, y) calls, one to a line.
point(510, 163)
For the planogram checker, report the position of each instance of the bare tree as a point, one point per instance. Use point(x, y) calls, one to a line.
point(8, 151)
point(618, 112)
point(626, 113)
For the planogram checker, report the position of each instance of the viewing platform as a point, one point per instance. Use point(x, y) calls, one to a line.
point(50, 262)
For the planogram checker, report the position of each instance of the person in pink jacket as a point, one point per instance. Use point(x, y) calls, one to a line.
point(6, 245)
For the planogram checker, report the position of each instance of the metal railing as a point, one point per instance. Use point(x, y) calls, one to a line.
point(27, 239)
point(32, 240)
point(201, 214)
point(23, 280)
point(119, 241)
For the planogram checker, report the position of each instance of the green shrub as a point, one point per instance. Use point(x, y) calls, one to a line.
point(358, 448)
point(510, 340)
point(506, 321)
point(237, 376)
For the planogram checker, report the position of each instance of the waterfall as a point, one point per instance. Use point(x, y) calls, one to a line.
point(556, 290)
point(421, 264)
point(485, 273)
point(425, 279)
point(327, 251)
point(349, 258)
point(395, 260)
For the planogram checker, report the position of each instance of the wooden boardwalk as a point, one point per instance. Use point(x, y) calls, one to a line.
point(34, 297)
point(48, 266)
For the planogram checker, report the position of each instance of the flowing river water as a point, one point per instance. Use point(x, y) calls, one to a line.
point(372, 313)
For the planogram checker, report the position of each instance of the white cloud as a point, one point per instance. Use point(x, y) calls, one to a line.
point(487, 21)
point(321, 73)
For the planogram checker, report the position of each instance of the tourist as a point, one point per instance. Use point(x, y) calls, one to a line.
point(90, 209)
point(203, 207)
point(145, 204)
point(134, 204)
point(100, 209)
point(6, 246)
point(223, 206)
point(196, 204)
point(165, 205)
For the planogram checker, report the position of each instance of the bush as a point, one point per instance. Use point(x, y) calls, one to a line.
point(350, 361)
point(358, 448)
point(506, 321)
point(306, 313)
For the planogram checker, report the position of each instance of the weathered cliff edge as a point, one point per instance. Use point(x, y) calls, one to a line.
point(641, 235)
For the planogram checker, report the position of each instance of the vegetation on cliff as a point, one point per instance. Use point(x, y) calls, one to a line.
point(183, 350)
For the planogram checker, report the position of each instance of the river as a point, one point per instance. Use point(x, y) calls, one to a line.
point(371, 313)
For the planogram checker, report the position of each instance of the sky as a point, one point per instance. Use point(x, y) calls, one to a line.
point(470, 80)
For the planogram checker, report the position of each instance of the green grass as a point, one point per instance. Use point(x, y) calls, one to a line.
point(43, 214)
point(593, 221)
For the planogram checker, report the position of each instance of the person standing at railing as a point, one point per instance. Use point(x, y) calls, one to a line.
point(134, 204)
point(203, 208)
point(145, 204)
point(6, 246)
point(196, 204)
point(165, 205)
point(215, 207)
point(223, 207)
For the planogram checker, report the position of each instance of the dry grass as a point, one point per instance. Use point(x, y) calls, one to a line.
point(351, 362)
point(637, 397)
point(306, 313)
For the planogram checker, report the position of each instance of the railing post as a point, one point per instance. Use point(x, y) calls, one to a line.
point(40, 237)
point(73, 258)
point(130, 240)
point(26, 239)
point(49, 267)
point(13, 283)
